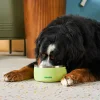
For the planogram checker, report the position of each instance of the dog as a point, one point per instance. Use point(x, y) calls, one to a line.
point(72, 41)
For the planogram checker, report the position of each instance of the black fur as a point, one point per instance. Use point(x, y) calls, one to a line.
point(77, 40)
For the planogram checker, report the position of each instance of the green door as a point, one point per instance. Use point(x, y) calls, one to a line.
point(11, 19)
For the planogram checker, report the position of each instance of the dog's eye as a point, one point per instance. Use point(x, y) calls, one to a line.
point(52, 57)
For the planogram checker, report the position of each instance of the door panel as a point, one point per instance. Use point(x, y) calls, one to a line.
point(11, 19)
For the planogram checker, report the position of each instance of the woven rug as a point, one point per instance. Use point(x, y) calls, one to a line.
point(32, 90)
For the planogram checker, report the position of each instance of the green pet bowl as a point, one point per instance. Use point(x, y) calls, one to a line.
point(49, 74)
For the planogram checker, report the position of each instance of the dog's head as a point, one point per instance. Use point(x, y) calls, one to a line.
point(59, 45)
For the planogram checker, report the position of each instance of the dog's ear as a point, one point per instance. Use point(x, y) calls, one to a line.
point(37, 48)
point(38, 43)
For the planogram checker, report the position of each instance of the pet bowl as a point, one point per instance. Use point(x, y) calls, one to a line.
point(49, 74)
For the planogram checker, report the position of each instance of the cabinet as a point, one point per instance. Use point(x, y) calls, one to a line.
point(12, 21)
point(38, 14)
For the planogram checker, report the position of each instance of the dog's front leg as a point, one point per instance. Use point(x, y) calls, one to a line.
point(22, 74)
point(77, 76)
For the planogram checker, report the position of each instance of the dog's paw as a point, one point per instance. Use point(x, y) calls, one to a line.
point(67, 82)
point(13, 76)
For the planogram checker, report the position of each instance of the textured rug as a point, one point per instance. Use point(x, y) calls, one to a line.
point(32, 90)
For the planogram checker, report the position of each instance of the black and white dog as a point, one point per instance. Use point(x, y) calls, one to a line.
point(72, 41)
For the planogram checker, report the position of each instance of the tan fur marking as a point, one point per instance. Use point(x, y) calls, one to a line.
point(81, 75)
point(19, 75)
point(39, 61)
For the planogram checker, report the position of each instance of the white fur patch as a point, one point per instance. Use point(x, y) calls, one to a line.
point(67, 82)
point(64, 82)
point(6, 79)
point(45, 63)
point(51, 47)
